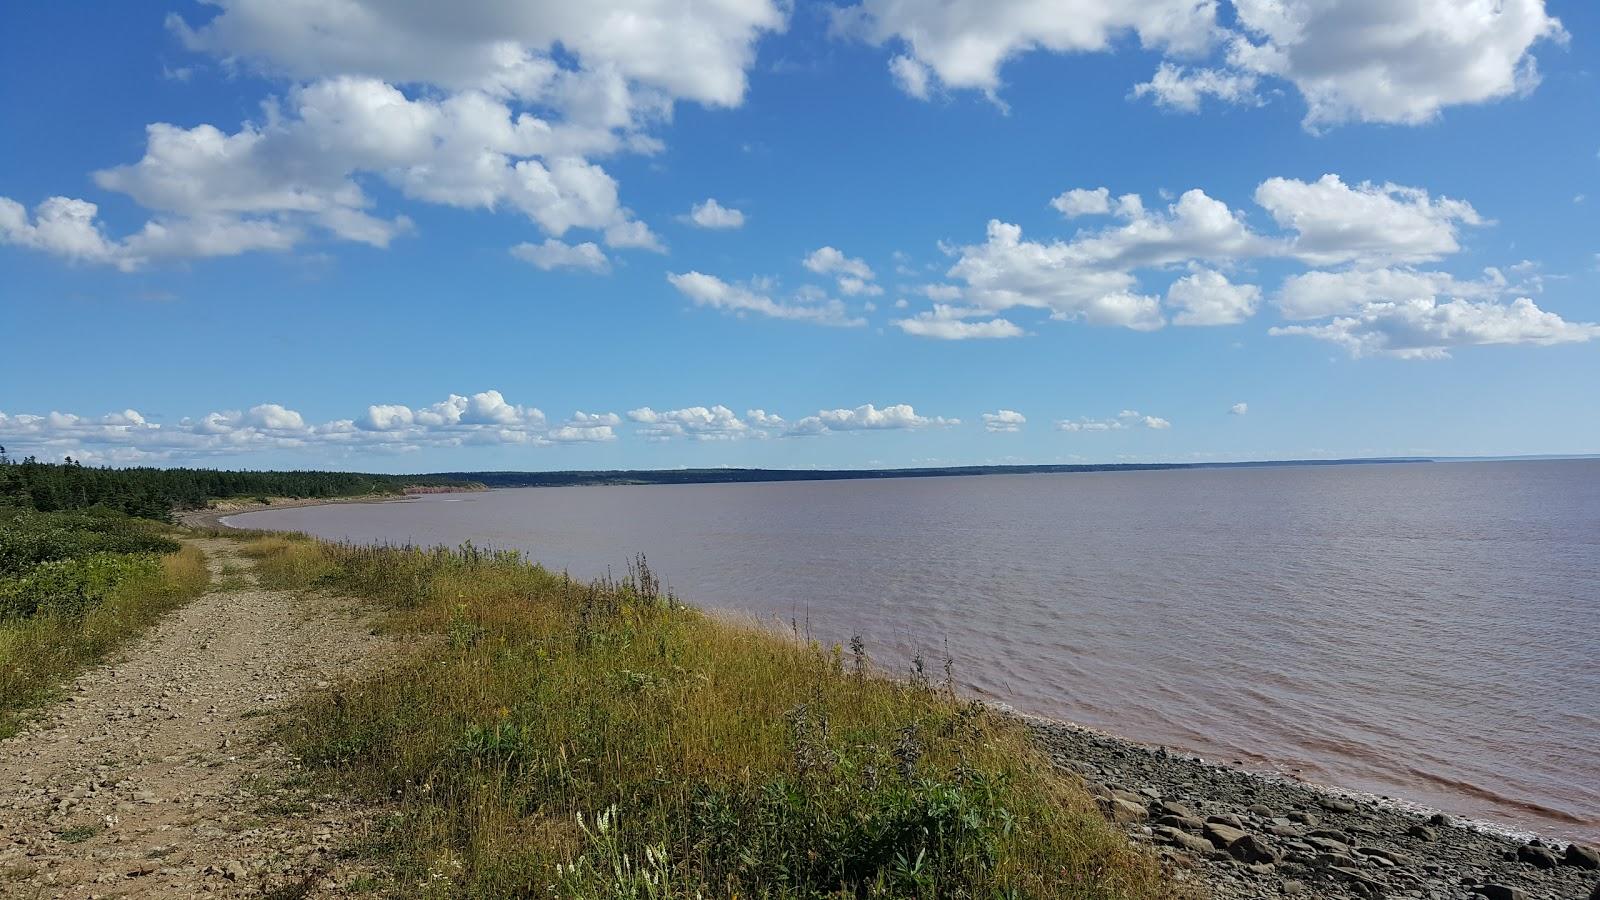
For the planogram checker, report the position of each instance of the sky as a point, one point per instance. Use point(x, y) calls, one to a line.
point(403, 236)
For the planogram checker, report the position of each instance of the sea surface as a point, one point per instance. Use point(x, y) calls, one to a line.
point(1424, 631)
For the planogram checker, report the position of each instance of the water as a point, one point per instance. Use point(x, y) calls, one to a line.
point(1429, 632)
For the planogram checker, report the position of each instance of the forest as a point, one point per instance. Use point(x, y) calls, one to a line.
point(154, 493)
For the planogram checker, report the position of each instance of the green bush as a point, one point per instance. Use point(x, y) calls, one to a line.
point(71, 587)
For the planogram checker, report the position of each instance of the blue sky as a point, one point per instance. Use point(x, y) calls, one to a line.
point(368, 235)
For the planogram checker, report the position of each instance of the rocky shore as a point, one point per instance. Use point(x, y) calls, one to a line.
point(1242, 835)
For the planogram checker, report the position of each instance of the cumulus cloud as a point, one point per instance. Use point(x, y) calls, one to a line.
point(712, 214)
point(1004, 421)
point(1316, 294)
point(962, 43)
point(714, 293)
point(1402, 61)
point(854, 276)
point(956, 324)
point(1183, 89)
point(489, 107)
point(554, 254)
point(701, 423)
point(1426, 328)
point(1090, 278)
point(867, 418)
point(1083, 202)
point(1335, 222)
point(1123, 421)
point(1207, 297)
point(1239, 409)
point(484, 418)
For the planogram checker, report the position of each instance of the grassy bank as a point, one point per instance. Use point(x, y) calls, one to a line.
point(554, 738)
point(73, 586)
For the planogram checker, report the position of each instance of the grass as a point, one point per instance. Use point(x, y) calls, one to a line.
point(73, 587)
point(561, 739)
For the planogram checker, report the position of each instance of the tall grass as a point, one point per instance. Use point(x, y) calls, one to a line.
point(554, 738)
point(38, 652)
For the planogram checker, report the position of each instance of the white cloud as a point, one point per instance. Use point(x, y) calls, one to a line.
point(701, 423)
point(1207, 297)
point(1313, 295)
point(1335, 222)
point(911, 76)
point(712, 214)
point(1004, 421)
point(554, 254)
point(710, 291)
point(488, 107)
point(963, 43)
point(953, 324)
point(61, 226)
point(1090, 278)
point(1239, 409)
point(1183, 89)
point(854, 276)
point(484, 418)
point(1399, 61)
point(867, 418)
point(1428, 329)
point(1083, 202)
point(673, 48)
point(1127, 419)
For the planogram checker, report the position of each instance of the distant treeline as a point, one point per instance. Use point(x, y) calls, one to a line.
point(729, 476)
point(155, 493)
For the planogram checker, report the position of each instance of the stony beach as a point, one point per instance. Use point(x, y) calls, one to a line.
point(1240, 834)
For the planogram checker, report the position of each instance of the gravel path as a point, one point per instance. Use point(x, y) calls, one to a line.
point(157, 777)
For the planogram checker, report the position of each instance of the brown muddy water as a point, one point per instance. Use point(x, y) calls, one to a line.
point(1428, 632)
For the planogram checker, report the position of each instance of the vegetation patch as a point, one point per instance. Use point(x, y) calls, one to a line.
point(75, 585)
point(602, 740)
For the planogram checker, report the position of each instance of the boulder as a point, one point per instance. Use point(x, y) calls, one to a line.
point(1125, 812)
point(1499, 892)
point(1181, 822)
point(1223, 835)
point(1251, 849)
point(1423, 833)
point(1261, 810)
point(1183, 839)
point(1537, 856)
point(1169, 808)
point(1582, 857)
point(1309, 820)
point(1337, 804)
point(1228, 819)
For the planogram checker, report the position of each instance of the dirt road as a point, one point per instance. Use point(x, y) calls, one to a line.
point(157, 776)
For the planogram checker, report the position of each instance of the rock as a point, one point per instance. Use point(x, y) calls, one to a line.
point(1309, 820)
point(1181, 822)
point(1537, 856)
point(1337, 804)
point(1582, 857)
point(1182, 839)
point(1228, 819)
point(1169, 808)
point(1293, 888)
point(1261, 810)
point(1439, 820)
point(1125, 812)
point(1329, 834)
point(1387, 855)
point(1223, 835)
point(1595, 894)
point(1499, 892)
point(1423, 833)
point(1251, 849)
point(1283, 831)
